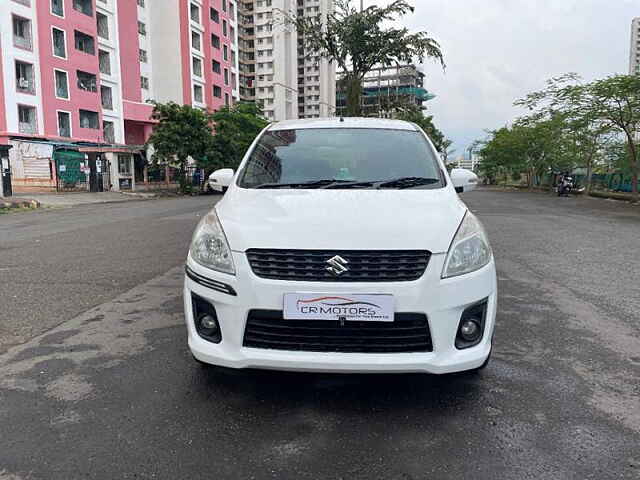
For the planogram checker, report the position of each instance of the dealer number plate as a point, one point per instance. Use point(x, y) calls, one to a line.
point(356, 307)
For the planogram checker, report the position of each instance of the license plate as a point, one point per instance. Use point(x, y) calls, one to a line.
point(356, 307)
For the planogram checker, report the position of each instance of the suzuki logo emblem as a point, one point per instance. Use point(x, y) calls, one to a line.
point(337, 265)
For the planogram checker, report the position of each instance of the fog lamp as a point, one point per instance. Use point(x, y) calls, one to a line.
point(470, 330)
point(207, 322)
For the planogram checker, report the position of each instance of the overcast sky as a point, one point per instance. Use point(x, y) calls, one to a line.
point(499, 50)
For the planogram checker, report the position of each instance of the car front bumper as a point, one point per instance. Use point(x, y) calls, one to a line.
point(441, 300)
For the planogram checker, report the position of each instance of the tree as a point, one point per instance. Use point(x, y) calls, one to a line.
point(358, 41)
point(181, 132)
point(616, 102)
point(584, 129)
point(235, 129)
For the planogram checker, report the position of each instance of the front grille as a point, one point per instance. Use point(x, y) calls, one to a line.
point(409, 332)
point(363, 265)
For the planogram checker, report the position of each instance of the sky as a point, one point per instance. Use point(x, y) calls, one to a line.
point(497, 51)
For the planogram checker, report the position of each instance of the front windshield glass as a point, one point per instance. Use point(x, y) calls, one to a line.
point(341, 158)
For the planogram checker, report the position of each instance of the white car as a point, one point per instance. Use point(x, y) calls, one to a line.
point(341, 245)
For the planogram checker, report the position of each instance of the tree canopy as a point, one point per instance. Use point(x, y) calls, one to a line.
point(235, 129)
point(358, 41)
point(181, 132)
point(571, 124)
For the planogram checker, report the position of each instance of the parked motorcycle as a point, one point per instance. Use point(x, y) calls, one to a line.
point(565, 186)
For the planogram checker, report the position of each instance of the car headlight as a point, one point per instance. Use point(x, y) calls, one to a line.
point(469, 250)
point(209, 246)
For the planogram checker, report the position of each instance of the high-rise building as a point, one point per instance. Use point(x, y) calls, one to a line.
point(385, 89)
point(634, 51)
point(77, 76)
point(275, 68)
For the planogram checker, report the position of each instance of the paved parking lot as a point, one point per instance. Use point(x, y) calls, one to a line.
point(96, 380)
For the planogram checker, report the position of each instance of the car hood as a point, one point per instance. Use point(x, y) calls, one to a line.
point(341, 219)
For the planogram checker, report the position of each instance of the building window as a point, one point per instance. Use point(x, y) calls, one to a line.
point(226, 76)
point(197, 66)
point(141, 3)
point(25, 80)
point(215, 41)
point(215, 16)
point(142, 28)
point(195, 41)
point(62, 84)
point(57, 7)
point(103, 25)
point(22, 33)
point(194, 12)
point(59, 43)
point(104, 61)
point(197, 93)
point(224, 28)
point(64, 124)
point(108, 132)
point(106, 97)
point(142, 55)
point(224, 5)
point(232, 11)
point(144, 83)
point(226, 99)
point(84, 42)
point(83, 6)
point(27, 119)
point(89, 119)
point(217, 91)
point(225, 53)
point(86, 81)
point(216, 66)
point(124, 164)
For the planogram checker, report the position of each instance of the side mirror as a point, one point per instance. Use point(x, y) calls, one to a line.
point(464, 180)
point(221, 178)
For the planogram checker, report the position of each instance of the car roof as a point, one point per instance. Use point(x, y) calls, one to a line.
point(346, 122)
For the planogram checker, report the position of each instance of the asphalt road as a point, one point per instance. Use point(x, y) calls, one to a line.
point(112, 392)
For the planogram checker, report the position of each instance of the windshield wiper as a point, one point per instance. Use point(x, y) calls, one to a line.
point(407, 182)
point(345, 184)
point(311, 184)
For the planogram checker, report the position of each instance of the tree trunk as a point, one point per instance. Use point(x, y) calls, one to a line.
point(633, 163)
point(354, 95)
point(530, 178)
point(589, 175)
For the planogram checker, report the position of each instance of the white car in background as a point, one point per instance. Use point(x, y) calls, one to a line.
point(341, 245)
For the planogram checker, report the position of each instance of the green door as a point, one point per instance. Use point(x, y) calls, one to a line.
point(68, 169)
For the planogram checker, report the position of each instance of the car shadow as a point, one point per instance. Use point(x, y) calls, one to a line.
point(342, 392)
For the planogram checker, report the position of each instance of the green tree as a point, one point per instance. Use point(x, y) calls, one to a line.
point(616, 102)
point(235, 129)
point(584, 130)
point(358, 41)
point(181, 132)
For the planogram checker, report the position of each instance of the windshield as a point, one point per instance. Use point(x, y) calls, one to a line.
point(342, 158)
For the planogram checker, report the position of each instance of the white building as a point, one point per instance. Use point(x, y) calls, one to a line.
point(634, 51)
point(469, 162)
point(275, 68)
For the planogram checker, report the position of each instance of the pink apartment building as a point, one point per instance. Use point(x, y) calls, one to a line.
point(77, 76)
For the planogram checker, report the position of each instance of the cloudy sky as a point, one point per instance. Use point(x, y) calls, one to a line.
point(499, 50)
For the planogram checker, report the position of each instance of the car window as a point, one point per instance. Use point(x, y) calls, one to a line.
point(284, 157)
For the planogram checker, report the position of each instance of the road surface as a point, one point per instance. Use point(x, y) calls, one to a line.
point(96, 381)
